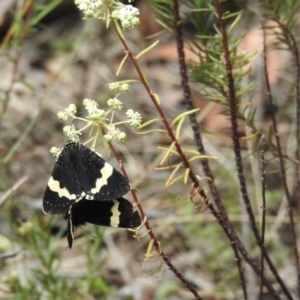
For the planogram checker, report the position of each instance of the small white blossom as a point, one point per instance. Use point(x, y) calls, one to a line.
point(118, 87)
point(90, 104)
point(108, 137)
point(122, 136)
point(90, 8)
point(134, 118)
point(115, 103)
point(125, 87)
point(94, 113)
point(61, 115)
point(55, 151)
point(114, 134)
point(128, 16)
point(115, 14)
point(70, 111)
point(113, 86)
point(71, 133)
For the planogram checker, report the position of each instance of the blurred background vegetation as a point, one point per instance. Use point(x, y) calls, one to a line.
point(50, 57)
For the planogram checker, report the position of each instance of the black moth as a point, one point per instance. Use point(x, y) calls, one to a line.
point(80, 176)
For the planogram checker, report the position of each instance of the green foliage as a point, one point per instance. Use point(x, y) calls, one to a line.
point(41, 259)
point(166, 290)
point(163, 8)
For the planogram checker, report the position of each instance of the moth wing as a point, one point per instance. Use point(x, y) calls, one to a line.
point(128, 218)
point(63, 186)
point(80, 172)
point(115, 213)
point(99, 179)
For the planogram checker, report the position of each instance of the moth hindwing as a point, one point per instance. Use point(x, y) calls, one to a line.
point(81, 173)
point(115, 213)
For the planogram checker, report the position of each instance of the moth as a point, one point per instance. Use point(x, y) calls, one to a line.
point(86, 188)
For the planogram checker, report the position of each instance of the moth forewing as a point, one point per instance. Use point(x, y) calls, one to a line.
point(81, 173)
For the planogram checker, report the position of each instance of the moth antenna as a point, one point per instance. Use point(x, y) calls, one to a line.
point(67, 247)
point(86, 232)
point(75, 232)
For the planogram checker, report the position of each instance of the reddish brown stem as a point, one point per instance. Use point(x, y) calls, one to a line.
point(180, 152)
point(151, 233)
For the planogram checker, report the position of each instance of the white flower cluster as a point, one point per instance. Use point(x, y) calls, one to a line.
point(90, 8)
point(70, 111)
point(55, 151)
point(128, 16)
point(94, 113)
point(134, 118)
point(114, 133)
point(115, 103)
point(118, 87)
point(98, 117)
point(72, 133)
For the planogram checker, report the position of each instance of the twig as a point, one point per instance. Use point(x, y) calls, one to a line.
point(263, 217)
point(296, 187)
point(230, 231)
point(281, 163)
point(182, 156)
point(152, 235)
point(195, 127)
point(12, 189)
point(236, 144)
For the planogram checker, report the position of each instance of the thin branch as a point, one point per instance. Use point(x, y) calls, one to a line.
point(230, 230)
point(182, 156)
point(13, 189)
point(234, 239)
point(281, 163)
point(196, 131)
point(233, 119)
point(296, 187)
point(156, 243)
point(236, 144)
point(263, 217)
